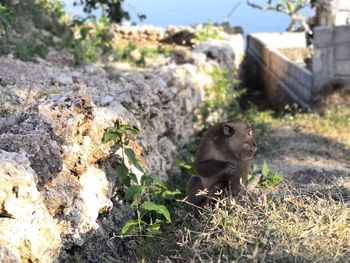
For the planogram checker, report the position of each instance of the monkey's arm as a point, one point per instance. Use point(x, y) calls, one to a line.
point(210, 168)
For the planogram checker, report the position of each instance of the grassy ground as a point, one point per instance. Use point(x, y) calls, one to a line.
point(305, 219)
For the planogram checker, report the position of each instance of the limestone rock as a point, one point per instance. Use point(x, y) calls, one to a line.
point(26, 227)
point(6, 256)
point(227, 53)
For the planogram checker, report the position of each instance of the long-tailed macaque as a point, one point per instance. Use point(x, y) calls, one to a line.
point(222, 160)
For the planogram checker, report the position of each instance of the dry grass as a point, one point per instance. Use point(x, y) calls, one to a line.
point(309, 224)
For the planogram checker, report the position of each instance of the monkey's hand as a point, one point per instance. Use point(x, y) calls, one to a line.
point(254, 182)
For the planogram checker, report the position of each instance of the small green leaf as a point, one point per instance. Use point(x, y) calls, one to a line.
point(250, 176)
point(133, 192)
point(265, 169)
point(109, 136)
point(133, 178)
point(154, 228)
point(131, 156)
point(290, 7)
point(129, 227)
point(279, 7)
point(84, 32)
point(122, 174)
point(160, 209)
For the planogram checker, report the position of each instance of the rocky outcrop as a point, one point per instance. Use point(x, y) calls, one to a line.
point(28, 232)
point(228, 53)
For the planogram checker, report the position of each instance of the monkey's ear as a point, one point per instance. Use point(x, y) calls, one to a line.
point(228, 129)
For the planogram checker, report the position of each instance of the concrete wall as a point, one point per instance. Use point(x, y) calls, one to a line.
point(283, 80)
point(331, 60)
point(332, 12)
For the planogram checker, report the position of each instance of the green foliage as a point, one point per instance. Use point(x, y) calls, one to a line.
point(53, 7)
point(95, 38)
point(224, 94)
point(27, 50)
point(6, 17)
point(287, 6)
point(268, 179)
point(39, 26)
point(124, 53)
point(187, 165)
point(208, 31)
point(111, 8)
point(146, 194)
point(224, 80)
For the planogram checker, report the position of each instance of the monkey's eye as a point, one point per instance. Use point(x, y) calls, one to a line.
point(250, 133)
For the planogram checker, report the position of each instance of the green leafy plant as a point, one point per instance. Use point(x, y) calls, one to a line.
point(113, 9)
point(268, 179)
point(291, 8)
point(146, 194)
point(224, 80)
point(95, 38)
point(223, 94)
point(187, 165)
point(124, 53)
point(5, 19)
point(53, 7)
point(208, 31)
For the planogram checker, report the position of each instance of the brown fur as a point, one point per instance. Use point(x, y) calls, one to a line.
point(222, 160)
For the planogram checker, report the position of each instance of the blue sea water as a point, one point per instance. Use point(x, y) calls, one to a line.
point(190, 12)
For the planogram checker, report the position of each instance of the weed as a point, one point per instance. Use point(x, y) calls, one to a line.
point(95, 38)
point(270, 180)
point(208, 31)
point(145, 192)
point(222, 96)
point(124, 54)
point(6, 17)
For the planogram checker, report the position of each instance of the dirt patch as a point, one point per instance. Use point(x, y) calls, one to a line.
point(304, 155)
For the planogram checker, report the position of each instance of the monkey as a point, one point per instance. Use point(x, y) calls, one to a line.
point(222, 160)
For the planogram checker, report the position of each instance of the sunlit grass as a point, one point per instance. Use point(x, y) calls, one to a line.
point(283, 225)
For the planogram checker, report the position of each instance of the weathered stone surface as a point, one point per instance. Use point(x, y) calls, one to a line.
point(6, 256)
point(60, 58)
point(228, 53)
point(26, 227)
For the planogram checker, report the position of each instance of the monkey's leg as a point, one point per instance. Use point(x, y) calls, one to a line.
point(193, 187)
point(236, 186)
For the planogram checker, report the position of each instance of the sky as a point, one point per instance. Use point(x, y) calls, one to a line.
point(190, 12)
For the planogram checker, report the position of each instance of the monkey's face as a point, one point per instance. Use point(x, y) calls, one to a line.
point(239, 137)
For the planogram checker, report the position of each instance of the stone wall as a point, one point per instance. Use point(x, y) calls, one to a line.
point(283, 79)
point(58, 188)
point(181, 35)
point(331, 61)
